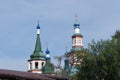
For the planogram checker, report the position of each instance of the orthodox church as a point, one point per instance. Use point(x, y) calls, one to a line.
point(40, 62)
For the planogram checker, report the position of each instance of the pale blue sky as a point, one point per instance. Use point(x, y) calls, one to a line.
point(99, 19)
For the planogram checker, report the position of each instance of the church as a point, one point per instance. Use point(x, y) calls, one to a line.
point(39, 63)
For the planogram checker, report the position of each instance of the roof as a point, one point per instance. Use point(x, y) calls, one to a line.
point(38, 53)
point(48, 68)
point(14, 75)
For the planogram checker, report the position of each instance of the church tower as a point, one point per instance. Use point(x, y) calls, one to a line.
point(77, 37)
point(70, 61)
point(37, 59)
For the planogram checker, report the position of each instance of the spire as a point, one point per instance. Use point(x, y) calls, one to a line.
point(38, 47)
point(38, 53)
point(38, 42)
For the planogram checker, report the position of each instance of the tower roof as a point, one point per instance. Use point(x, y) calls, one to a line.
point(38, 53)
point(77, 34)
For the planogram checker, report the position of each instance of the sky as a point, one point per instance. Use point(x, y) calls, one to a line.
point(99, 19)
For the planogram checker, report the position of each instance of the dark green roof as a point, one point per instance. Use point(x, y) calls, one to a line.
point(38, 56)
point(38, 53)
point(48, 68)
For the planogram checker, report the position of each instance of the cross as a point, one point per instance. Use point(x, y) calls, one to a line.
point(76, 18)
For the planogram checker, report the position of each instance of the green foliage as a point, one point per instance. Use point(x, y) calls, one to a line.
point(102, 61)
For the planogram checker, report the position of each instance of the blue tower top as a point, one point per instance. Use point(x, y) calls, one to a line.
point(76, 25)
point(38, 27)
point(47, 51)
point(47, 54)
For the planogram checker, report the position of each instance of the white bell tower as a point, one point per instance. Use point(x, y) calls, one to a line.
point(37, 59)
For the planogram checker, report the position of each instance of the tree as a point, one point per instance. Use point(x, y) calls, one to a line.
point(102, 61)
point(59, 69)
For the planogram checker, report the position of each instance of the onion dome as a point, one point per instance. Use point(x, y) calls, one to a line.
point(47, 54)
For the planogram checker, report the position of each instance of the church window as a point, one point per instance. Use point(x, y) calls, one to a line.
point(75, 41)
point(30, 65)
point(36, 65)
point(42, 64)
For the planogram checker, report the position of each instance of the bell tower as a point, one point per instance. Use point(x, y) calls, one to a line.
point(77, 46)
point(77, 37)
point(37, 59)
